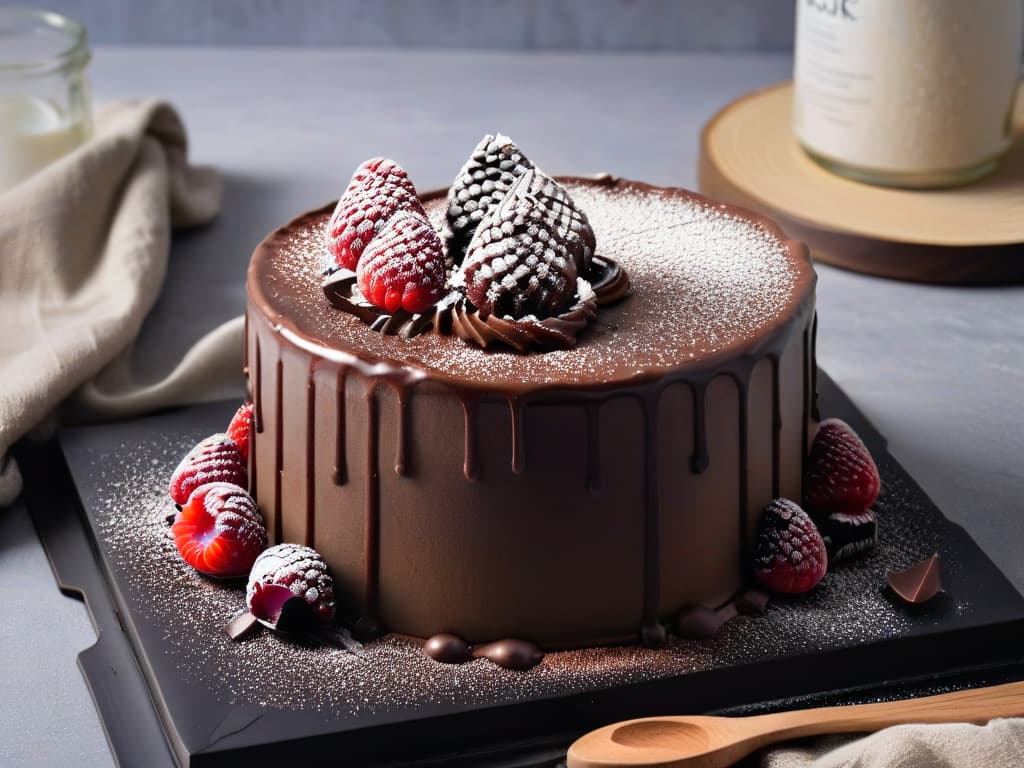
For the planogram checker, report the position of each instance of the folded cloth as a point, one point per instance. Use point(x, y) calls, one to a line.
point(85, 246)
point(1000, 744)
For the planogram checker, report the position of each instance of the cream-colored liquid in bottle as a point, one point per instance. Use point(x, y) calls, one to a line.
point(34, 133)
point(906, 92)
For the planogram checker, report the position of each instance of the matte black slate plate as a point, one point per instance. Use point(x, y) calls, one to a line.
point(170, 686)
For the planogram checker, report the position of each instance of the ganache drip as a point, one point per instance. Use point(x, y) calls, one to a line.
point(454, 315)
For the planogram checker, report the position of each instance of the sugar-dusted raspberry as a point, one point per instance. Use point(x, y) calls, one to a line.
point(379, 188)
point(301, 570)
point(790, 556)
point(403, 266)
point(841, 475)
point(218, 531)
point(528, 251)
point(489, 173)
point(240, 429)
point(217, 459)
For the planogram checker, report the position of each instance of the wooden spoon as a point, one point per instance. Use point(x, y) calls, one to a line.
point(717, 742)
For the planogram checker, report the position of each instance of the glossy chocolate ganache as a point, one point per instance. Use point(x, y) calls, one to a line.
point(570, 497)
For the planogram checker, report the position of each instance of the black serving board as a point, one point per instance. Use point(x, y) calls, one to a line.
point(162, 705)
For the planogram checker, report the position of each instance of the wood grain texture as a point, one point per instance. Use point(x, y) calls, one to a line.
point(970, 234)
point(718, 742)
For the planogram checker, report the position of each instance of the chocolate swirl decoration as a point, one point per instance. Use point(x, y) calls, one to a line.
point(454, 315)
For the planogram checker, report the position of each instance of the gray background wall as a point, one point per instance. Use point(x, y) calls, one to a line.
point(620, 25)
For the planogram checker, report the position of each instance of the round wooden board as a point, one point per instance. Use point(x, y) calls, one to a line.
point(971, 234)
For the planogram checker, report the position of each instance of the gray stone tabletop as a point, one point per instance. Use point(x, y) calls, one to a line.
point(938, 370)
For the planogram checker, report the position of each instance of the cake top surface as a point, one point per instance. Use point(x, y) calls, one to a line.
point(708, 282)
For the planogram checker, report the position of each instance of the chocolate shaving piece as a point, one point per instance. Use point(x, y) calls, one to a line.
point(242, 626)
point(919, 583)
point(518, 655)
point(448, 649)
point(342, 291)
point(611, 283)
point(753, 602)
point(847, 535)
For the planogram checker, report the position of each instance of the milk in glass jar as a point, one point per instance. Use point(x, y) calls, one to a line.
point(45, 107)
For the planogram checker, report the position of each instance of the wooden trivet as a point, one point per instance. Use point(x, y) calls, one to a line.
point(970, 234)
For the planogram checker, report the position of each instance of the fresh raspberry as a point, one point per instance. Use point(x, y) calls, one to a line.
point(379, 188)
point(488, 174)
point(790, 555)
point(528, 251)
point(296, 568)
point(240, 429)
point(218, 531)
point(841, 475)
point(217, 459)
point(403, 266)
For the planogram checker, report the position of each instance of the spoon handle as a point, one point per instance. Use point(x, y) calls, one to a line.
point(716, 742)
point(975, 705)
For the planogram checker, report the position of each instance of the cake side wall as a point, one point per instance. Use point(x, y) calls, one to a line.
point(534, 519)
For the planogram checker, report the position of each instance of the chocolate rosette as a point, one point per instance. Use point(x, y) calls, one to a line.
point(454, 315)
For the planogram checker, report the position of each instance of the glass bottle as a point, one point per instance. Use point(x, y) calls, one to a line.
point(45, 105)
point(909, 93)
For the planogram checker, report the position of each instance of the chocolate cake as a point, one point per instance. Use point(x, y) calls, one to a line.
point(569, 496)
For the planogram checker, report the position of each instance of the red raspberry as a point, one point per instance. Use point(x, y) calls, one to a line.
point(218, 531)
point(841, 475)
point(217, 459)
point(790, 555)
point(379, 188)
point(240, 429)
point(296, 568)
point(403, 267)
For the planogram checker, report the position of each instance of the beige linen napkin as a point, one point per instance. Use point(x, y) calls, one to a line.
point(1000, 744)
point(84, 246)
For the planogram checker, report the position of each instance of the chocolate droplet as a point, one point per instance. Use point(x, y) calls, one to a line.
point(919, 583)
point(243, 625)
point(653, 636)
point(510, 654)
point(448, 649)
point(695, 622)
point(752, 602)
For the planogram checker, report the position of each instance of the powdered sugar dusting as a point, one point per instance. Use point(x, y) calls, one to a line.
point(705, 281)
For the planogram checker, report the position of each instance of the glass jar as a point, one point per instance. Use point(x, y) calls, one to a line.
point(45, 106)
point(908, 93)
